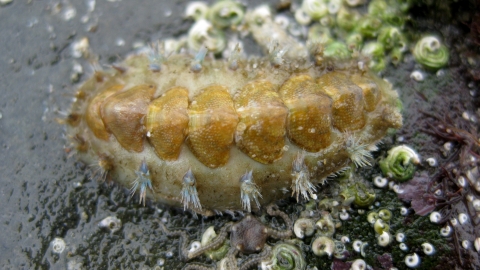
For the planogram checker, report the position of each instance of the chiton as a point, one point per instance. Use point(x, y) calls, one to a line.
point(215, 136)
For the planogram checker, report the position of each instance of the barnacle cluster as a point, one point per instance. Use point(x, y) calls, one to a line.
point(345, 28)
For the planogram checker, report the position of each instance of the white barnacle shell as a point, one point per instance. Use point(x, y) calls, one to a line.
point(203, 34)
point(358, 264)
point(384, 239)
point(462, 218)
point(400, 237)
point(194, 246)
point(344, 215)
point(357, 245)
point(196, 10)
point(111, 223)
point(315, 8)
point(380, 226)
point(334, 6)
point(372, 217)
point(446, 231)
point(412, 260)
point(326, 225)
point(323, 245)
point(428, 249)
point(476, 243)
point(403, 246)
point(354, 3)
point(417, 76)
point(435, 217)
point(208, 236)
point(302, 17)
point(454, 221)
point(476, 205)
point(473, 175)
point(466, 244)
point(58, 245)
point(380, 182)
point(461, 181)
point(345, 239)
point(303, 227)
point(432, 161)
point(363, 249)
point(403, 211)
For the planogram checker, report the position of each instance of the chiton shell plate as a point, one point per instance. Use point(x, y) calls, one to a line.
point(222, 123)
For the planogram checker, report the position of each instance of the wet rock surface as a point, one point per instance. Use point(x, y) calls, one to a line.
point(46, 194)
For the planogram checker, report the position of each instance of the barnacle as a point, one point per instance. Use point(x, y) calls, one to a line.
point(325, 225)
point(428, 249)
point(141, 182)
point(337, 50)
point(303, 227)
point(400, 164)
point(354, 41)
point(391, 37)
point(196, 10)
point(189, 192)
point(320, 34)
point(111, 223)
point(285, 256)
point(385, 214)
point(58, 245)
point(347, 18)
point(323, 245)
point(376, 51)
point(215, 254)
point(396, 55)
point(364, 197)
point(384, 239)
point(412, 260)
point(249, 191)
point(316, 9)
point(226, 13)
point(380, 226)
point(359, 264)
point(302, 17)
point(369, 26)
point(430, 52)
point(203, 34)
point(301, 179)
